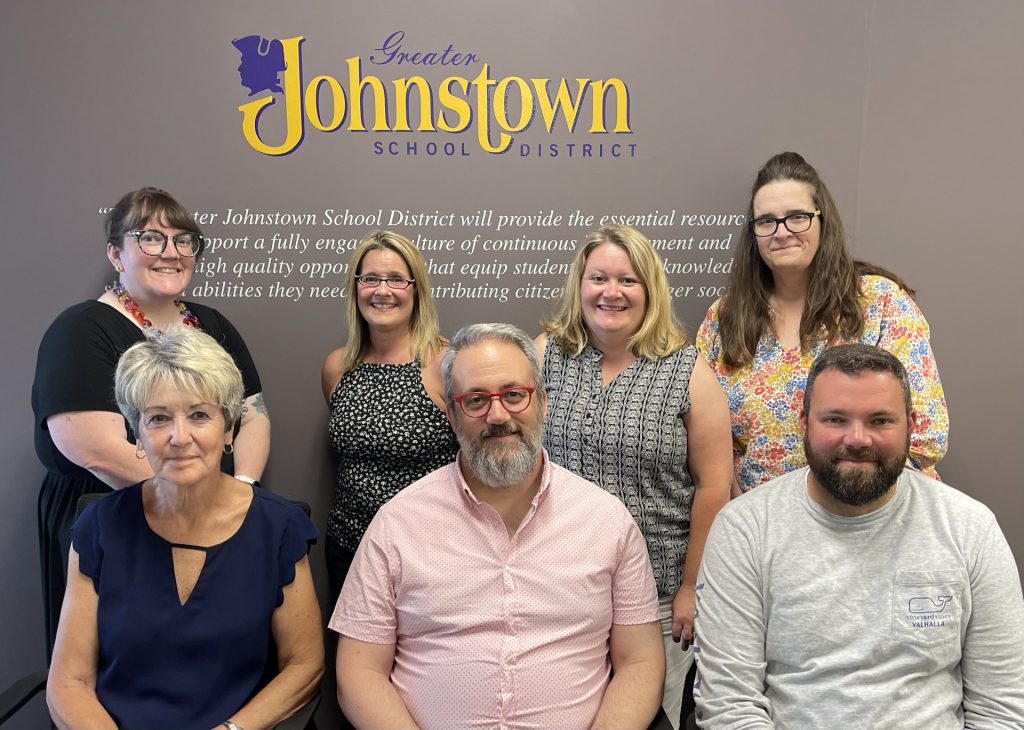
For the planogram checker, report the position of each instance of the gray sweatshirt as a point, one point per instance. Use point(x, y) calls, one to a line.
point(908, 617)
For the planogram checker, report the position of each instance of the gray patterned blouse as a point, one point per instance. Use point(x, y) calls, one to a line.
point(628, 438)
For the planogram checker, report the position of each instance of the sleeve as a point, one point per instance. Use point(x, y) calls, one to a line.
point(85, 538)
point(904, 332)
point(634, 592)
point(298, 536)
point(992, 660)
point(74, 368)
point(710, 345)
point(730, 632)
point(367, 609)
point(708, 341)
point(221, 329)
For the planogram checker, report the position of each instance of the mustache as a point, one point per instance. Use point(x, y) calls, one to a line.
point(500, 429)
point(865, 453)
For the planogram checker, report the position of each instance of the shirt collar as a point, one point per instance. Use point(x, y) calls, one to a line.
point(545, 479)
point(825, 516)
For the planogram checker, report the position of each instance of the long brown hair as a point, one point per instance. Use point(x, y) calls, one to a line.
point(832, 306)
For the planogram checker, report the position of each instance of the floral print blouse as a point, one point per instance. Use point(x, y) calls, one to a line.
point(766, 397)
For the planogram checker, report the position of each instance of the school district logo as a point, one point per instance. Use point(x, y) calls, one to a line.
point(499, 109)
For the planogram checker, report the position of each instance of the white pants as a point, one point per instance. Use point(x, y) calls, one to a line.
point(677, 664)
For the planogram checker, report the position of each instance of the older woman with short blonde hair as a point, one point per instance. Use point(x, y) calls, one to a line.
point(178, 583)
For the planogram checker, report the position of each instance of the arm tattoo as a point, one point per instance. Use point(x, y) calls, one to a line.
point(260, 405)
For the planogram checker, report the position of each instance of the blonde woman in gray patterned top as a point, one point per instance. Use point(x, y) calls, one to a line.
point(635, 408)
point(385, 392)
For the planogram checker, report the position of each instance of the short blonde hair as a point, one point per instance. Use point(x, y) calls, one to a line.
point(190, 361)
point(660, 333)
point(426, 337)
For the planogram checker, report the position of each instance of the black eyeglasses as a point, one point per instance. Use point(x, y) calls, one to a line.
point(794, 222)
point(393, 282)
point(477, 404)
point(154, 243)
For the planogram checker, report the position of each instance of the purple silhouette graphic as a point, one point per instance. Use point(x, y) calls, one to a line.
point(262, 61)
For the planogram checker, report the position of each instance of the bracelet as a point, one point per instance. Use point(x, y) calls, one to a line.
point(247, 480)
point(231, 726)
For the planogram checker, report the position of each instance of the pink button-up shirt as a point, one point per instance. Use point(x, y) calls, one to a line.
point(493, 632)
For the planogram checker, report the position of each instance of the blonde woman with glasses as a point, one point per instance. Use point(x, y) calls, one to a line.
point(385, 392)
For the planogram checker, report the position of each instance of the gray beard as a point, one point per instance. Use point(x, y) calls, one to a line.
point(501, 467)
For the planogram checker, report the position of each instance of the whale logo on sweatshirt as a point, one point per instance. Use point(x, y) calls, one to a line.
point(927, 604)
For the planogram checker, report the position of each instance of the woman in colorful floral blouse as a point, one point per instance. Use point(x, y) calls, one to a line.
point(795, 290)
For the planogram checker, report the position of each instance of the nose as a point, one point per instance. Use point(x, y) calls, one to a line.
point(170, 250)
point(782, 231)
point(612, 290)
point(856, 435)
point(181, 433)
point(497, 413)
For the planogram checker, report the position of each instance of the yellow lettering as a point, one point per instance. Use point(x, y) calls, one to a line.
point(525, 107)
point(313, 105)
point(356, 84)
point(252, 111)
point(456, 107)
point(570, 107)
point(600, 89)
point(402, 104)
point(453, 103)
point(483, 115)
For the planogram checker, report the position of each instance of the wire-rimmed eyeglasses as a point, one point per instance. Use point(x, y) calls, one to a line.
point(393, 282)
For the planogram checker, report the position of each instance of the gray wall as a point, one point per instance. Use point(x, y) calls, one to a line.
point(939, 194)
point(907, 108)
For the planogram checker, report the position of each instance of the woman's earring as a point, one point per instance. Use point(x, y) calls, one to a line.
point(140, 453)
point(229, 448)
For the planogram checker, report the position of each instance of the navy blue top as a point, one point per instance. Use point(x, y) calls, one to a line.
point(164, 665)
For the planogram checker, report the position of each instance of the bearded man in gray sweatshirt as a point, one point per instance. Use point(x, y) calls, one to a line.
point(853, 593)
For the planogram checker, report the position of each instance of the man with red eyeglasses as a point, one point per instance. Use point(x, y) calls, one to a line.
point(499, 591)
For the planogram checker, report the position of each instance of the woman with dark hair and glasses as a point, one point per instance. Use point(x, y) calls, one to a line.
point(385, 392)
point(80, 437)
point(795, 290)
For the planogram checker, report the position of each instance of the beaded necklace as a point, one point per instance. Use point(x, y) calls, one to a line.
point(132, 307)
